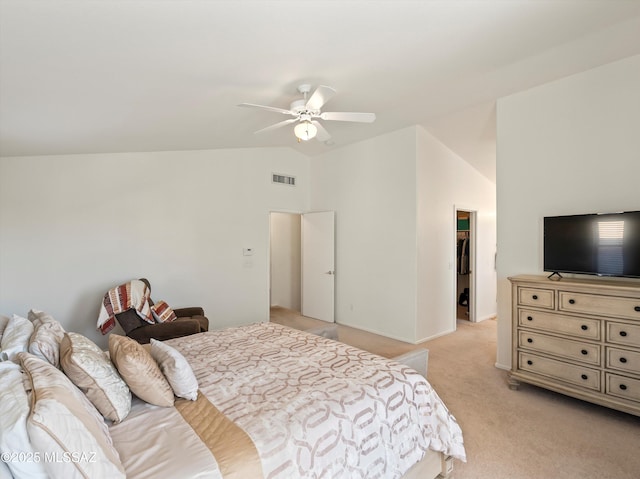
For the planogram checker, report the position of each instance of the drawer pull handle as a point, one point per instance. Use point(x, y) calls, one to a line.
point(584, 352)
point(572, 301)
point(623, 360)
point(529, 340)
point(623, 387)
point(637, 309)
point(623, 334)
point(535, 296)
point(584, 327)
point(529, 318)
point(529, 362)
point(585, 377)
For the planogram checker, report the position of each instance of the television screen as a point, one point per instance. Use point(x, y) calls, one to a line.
point(600, 244)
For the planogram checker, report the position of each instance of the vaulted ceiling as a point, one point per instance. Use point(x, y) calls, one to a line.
point(97, 76)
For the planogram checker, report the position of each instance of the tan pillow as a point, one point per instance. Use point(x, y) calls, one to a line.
point(89, 368)
point(63, 423)
point(140, 371)
point(176, 369)
point(46, 337)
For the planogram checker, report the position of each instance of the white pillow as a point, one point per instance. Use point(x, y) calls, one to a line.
point(5, 473)
point(14, 439)
point(63, 423)
point(3, 324)
point(89, 368)
point(46, 337)
point(15, 338)
point(176, 369)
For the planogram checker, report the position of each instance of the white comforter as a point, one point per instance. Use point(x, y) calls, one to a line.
point(312, 406)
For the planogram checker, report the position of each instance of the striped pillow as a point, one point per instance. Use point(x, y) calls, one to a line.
point(163, 313)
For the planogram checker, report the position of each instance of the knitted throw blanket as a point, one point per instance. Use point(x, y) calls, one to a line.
point(132, 295)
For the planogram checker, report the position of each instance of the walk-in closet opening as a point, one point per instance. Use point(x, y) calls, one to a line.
point(465, 241)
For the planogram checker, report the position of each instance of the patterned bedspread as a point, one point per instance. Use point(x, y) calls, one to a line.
point(318, 408)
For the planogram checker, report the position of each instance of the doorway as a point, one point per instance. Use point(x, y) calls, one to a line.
point(285, 261)
point(465, 262)
point(301, 269)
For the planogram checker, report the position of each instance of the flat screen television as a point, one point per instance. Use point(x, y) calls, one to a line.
point(597, 244)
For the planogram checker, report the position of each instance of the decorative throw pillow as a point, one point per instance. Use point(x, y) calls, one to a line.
point(46, 337)
point(14, 439)
point(176, 369)
point(63, 423)
point(15, 338)
point(163, 313)
point(89, 368)
point(140, 371)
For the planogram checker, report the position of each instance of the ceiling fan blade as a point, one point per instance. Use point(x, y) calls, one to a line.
point(322, 134)
point(319, 97)
point(348, 116)
point(270, 108)
point(276, 126)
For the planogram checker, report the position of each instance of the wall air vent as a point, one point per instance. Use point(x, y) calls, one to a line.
point(283, 179)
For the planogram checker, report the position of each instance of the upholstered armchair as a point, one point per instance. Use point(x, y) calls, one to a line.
point(189, 321)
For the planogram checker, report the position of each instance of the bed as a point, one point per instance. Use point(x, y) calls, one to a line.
point(299, 405)
point(257, 401)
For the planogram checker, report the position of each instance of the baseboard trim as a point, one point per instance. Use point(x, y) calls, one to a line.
point(502, 366)
point(373, 331)
point(435, 336)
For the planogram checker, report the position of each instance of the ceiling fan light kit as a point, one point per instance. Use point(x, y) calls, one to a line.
point(305, 130)
point(307, 112)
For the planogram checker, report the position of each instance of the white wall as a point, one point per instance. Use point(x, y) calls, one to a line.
point(394, 198)
point(371, 187)
point(571, 146)
point(446, 182)
point(285, 260)
point(71, 227)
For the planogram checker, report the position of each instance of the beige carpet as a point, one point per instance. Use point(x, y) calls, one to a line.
point(530, 433)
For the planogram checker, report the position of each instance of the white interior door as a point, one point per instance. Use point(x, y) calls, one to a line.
point(318, 265)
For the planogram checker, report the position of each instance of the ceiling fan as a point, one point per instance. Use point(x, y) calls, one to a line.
point(307, 111)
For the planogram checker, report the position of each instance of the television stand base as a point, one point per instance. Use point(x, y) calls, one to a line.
point(553, 278)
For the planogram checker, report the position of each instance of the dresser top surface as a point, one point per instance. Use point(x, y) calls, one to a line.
point(604, 284)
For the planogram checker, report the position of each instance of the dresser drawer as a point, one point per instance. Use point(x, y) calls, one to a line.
point(621, 333)
point(623, 387)
point(538, 297)
point(556, 323)
point(623, 360)
point(569, 373)
point(610, 306)
point(564, 348)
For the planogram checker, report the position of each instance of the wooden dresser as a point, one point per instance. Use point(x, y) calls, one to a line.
point(579, 337)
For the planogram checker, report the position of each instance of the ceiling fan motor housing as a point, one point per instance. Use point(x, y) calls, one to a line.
point(298, 105)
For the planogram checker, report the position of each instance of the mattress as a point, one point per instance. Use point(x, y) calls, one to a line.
point(276, 402)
